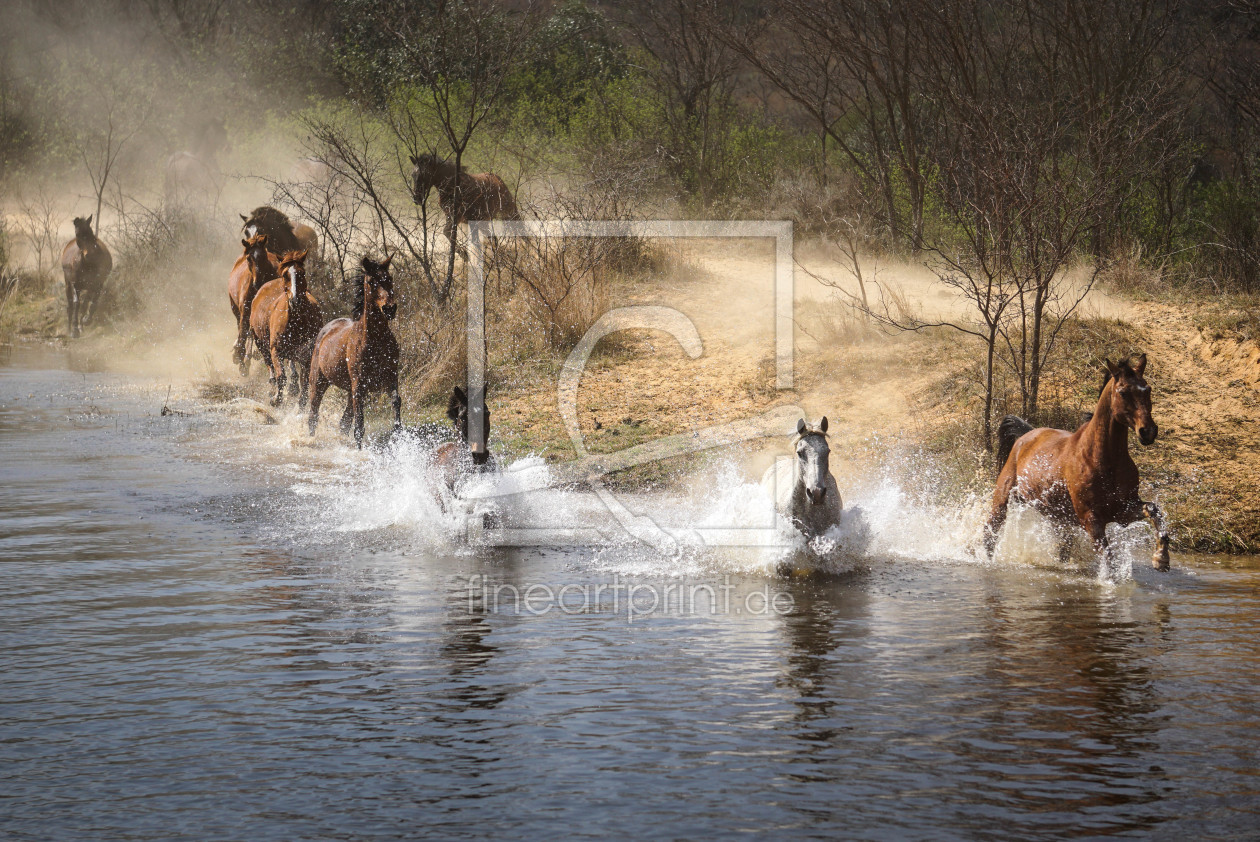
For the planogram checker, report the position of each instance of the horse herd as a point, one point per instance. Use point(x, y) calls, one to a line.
point(1085, 478)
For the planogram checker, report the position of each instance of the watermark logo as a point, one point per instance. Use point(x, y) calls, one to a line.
point(593, 468)
point(633, 599)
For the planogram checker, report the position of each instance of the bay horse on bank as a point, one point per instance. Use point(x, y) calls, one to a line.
point(1086, 477)
point(285, 319)
point(463, 196)
point(85, 263)
point(280, 231)
point(257, 266)
point(359, 355)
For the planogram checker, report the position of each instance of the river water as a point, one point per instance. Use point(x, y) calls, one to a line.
point(203, 636)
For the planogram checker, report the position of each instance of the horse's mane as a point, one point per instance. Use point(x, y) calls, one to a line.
point(357, 281)
point(269, 218)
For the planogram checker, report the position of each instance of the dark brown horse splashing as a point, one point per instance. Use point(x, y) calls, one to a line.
point(1086, 477)
point(85, 263)
point(360, 355)
point(282, 235)
point(456, 458)
point(252, 269)
point(285, 319)
point(463, 196)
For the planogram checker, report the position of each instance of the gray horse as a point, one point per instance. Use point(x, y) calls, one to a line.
point(804, 490)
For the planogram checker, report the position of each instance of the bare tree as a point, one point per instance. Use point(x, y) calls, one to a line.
point(39, 216)
point(853, 68)
point(694, 72)
point(456, 58)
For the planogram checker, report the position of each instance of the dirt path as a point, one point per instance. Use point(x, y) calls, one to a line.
point(874, 386)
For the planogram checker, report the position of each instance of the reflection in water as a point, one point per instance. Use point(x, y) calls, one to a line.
point(1070, 686)
point(188, 647)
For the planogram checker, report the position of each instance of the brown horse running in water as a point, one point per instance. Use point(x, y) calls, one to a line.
point(463, 196)
point(85, 263)
point(359, 356)
point(455, 458)
point(285, 319)
point(252, 269)
point(1086, 477)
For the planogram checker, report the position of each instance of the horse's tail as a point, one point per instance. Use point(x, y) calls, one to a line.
point(1009, 432)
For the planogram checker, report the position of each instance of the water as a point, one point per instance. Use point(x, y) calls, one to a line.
point(212, 630)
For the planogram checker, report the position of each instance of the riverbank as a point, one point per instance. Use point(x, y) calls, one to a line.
point(903, 400)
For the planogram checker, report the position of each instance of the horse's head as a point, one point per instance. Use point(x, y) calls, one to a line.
point(457, 411)
point(293, 270)
point(423, 175)
point(812, 451)
point(83, 231)
point(378, 287)
point(1131, 397)
point(255, 246)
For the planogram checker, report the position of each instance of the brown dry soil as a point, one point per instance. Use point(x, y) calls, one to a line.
point(904, 393)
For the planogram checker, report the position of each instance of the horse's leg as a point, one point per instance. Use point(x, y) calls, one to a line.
point(303, 378)
point(1155, 514)
point(1066, 541)
point(242, 341)
point(347, 417)
point(997, 515)
point(452, 232)
point(295, 379)
point(1097, 531)
point(277, 374)
point(357, 396)
point(238, 348)
point(87, 308)
point(396, 400)
point(319, 385)
point(72, 302)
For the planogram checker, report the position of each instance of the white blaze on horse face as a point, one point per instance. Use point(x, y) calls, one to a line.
point(812, 451)
point(293, 290)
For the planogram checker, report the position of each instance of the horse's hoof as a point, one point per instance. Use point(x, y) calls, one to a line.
point(1161, 562)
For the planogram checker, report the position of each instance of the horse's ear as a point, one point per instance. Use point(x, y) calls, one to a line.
point(823, 424)
point(384, 264)
point(1141, 365)
point(88, 221)
point(415, 161)
point(800, 427)
point(1112, 368)
point(244, 243)
point(244, 218)
point(367, 263)
point(298, 256)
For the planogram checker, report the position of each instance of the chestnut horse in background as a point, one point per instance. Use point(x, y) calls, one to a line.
point(454, 458)
point(359, 355)
point(85, 263)
point(252, 269)
point(463, 196)
point(281, 233)
point(285, 319)
point(1086, 477)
